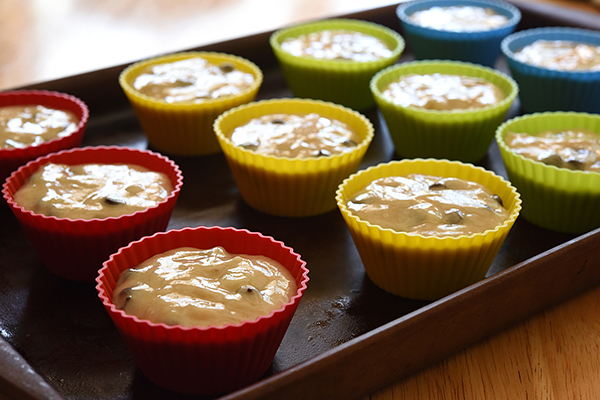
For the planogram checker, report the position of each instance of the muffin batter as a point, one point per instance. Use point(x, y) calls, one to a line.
point(31, 125)
point(459, 18)
point(337, 45)
point(89, 191)
point(193, 287)
point(428, 205)
point(442, 92)
point(575, 149)
point(563, 55)
point(295, 136)
point(192, 80)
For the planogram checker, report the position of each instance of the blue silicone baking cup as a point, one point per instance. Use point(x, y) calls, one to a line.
point(481, 47)
point(544, 89)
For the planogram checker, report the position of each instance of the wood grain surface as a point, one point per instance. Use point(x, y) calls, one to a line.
point(554, 355)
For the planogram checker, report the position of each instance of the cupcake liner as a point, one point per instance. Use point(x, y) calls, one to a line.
point(75, 248)
point(342, 82)
point(543, 89)
point(11, 159)
point(185, 128)
point(462, 135)
point(481, 47)
point(554, 198)
point(291, 187)
point(426, 267)
point(196, 360)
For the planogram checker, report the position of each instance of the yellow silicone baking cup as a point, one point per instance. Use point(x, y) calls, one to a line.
point(554, 198)
point(426, 267)
point(185, 128)
point(462, 135)
point(291, 187)
point(339, 81)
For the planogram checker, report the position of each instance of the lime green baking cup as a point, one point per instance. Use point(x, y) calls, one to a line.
point(291, 187)
point(462, 135)
point(426, 267)
point(185, 128)
point(340, 81)
point(554, 198)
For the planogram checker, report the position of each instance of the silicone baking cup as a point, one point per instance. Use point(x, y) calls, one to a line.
point(185, 128)
point(554, 198)
point(13, 158)
point(291, 187)
point(462, 135)
point(426, 267)
point(339, 81)
point(75, 248)
point(543, 89)
point(197, 360)
point(481, 47)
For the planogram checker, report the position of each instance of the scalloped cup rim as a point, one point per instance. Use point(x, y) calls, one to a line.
point(301, 287)
point(334, 64)
point(510, 97)
point(515, 15)
point(513, 214)
point(255, 104)
point(128, 88)
point(499, 136)
point(40, 160)
point(540, 33)
point(81, 125)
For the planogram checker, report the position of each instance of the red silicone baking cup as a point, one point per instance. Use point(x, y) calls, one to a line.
point(210, 360)
point(75, 248)
point(11, 159)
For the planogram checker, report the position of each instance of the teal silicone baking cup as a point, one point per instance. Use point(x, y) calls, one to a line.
point(461, 135)
point(481, 47)
point(545, 89)
point(554, 198)
point(339, 81)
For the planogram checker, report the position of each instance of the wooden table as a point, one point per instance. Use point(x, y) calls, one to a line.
point(552, 355)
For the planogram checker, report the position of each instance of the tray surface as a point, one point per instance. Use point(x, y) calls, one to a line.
point(62, 331)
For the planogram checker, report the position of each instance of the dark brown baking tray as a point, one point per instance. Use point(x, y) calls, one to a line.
point(347, 339)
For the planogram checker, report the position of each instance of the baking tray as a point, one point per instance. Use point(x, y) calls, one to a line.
point(348, 337)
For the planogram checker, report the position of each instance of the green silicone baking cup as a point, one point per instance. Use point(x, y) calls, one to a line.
point(462, 135)
point(554, 198)
point(339, 81)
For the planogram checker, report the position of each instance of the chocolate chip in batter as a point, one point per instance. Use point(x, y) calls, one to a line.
point(127, 293)
point(498, 199)
point(575, 164)
point(113, 201)
point(349, 143)
point(322, 153)
point(123, 298)
point(453, 217)
point(437, 186)
point(277, 121)
point(553, 159)
point(252, 146)
point(227, 67)
point(249, 290)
